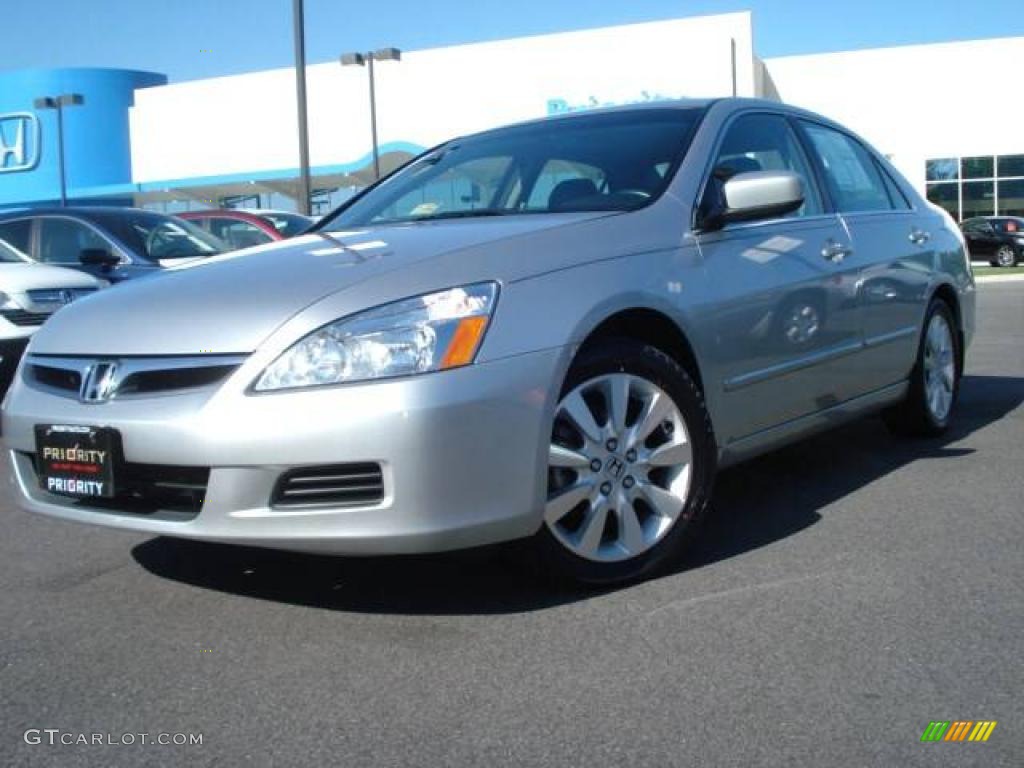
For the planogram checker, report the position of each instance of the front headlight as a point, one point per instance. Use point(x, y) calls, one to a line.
point(6, 302)
point(427, 333)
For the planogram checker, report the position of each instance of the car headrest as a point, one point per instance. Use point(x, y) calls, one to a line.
point(570, 190)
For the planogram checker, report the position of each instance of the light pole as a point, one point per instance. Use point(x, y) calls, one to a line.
point(58, 103)
point(367, 59)
point(298, 26)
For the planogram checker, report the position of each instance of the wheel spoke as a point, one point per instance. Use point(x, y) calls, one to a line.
point(658, 407)
point(565, 501)
point(576, 408)
point(560, 456)
point(592, 528)
point(665, 504)
point(631, 535)
point(618, 402)
point(670, 455)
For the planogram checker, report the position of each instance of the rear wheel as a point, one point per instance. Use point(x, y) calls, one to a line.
point(935, 379)
point(630, 468)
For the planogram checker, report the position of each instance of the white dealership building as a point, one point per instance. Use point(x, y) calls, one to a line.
point(233, 140)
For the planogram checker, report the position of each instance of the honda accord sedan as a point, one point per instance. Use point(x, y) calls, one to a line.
point(554, 331)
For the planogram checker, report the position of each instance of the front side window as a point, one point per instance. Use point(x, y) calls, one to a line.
point(617, 161)
point(61, 241)
point(851, 174)
point(761, 142)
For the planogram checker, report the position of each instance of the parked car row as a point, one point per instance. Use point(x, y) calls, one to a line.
point(44, 251)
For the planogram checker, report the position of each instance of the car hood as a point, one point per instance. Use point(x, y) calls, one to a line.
point(18, 278)
point(231, 303)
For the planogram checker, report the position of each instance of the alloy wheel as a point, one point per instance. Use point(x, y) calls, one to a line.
point(939, 368)
point(1005, 256)
point(619, 468)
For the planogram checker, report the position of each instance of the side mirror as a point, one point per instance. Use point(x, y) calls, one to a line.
point(98, 257)
point(756, 195)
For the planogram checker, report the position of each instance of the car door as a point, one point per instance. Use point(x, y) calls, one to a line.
point(780, 292)
point(892, 242)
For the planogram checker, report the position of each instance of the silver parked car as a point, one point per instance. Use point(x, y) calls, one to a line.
point(555, 330)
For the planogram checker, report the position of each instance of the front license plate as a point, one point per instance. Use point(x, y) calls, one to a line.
point(76, 461)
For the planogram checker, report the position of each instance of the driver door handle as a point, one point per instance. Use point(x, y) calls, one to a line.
point(835, 252)
point(919, 236)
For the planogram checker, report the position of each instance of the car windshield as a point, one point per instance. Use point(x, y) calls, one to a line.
point(288, 224)
point(158, 237)
point(615, 161)
point(11, 255)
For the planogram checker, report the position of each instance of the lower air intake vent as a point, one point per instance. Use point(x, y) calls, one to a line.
point(330, 485)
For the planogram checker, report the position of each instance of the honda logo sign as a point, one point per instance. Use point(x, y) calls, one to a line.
point(19, 142)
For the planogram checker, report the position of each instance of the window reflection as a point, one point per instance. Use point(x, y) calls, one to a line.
point(1011, 165)
point(1011, 197)
point(945, 169)
point(977, 167)
point(979, 198)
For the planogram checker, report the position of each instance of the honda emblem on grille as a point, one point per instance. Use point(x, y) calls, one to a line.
point(99, 382)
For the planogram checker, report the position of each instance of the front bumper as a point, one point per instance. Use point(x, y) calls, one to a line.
point(463, 454)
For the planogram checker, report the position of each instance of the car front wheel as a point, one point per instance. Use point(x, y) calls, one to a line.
point(1005, 256)
point(631, 465)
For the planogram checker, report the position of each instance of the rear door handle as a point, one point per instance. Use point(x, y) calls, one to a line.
point(919, 236)
point(835, 252)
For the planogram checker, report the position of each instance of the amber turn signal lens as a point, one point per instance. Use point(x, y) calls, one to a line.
point(465, 342)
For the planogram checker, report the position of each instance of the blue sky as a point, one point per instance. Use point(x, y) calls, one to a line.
point(190, 39)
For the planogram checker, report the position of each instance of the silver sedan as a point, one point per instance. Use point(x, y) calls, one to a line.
point(556, 330)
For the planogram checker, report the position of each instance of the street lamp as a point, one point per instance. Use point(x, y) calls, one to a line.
point(367, 59)
point(58, 103)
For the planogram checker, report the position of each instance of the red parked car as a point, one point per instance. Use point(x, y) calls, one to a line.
point(245, 228)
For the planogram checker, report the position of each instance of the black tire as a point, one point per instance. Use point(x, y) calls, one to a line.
point(623, 355)
point(913, 417)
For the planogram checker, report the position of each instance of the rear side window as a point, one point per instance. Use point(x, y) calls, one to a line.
point(16, 233)
point(854, 180)
point(896, 197)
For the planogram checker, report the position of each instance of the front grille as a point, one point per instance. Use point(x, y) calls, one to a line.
point(147, 382)
point(147, 488)
point(135, 376)
point(330, 485)
point(58, 296)
point(58, 378)
point(23, 317)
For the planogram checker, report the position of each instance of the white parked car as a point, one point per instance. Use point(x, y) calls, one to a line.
point(29, 294)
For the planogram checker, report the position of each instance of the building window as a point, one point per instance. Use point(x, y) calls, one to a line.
point(945, 169)
point(984, 185)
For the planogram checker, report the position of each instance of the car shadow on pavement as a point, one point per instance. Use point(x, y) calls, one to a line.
point(757, 503)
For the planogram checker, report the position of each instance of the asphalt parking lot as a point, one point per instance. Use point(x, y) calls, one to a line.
point(848, 590)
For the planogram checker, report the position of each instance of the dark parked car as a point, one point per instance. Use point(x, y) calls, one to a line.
point(997, 239)
point(242, 229)
point(111, 243)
